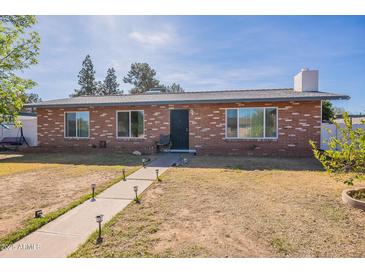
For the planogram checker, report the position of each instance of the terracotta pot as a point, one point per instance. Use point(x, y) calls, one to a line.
point(347, 199)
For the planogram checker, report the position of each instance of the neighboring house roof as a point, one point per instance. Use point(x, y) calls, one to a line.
point(355, 118)
point(23, 113)
point(258, 95)
point(361, 116)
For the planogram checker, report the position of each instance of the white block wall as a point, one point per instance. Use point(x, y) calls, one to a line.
point(325, 135)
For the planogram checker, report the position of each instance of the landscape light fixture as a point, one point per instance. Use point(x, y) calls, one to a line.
point(38, 213)
point(123, 174)
point(93, 186)
point(99, 219)
point(158, 178)
point(135, 188)
point(144, 162)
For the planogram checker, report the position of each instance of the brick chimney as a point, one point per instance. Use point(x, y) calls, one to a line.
point(306, 80)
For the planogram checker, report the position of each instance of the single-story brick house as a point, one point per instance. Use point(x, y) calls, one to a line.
point(235, 122)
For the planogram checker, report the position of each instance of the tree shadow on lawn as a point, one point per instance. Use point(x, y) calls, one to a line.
point(105, 158)
point(254, 163)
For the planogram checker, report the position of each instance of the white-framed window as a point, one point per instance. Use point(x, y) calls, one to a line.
point(77, 124)
point(252, 123)
point(130, 124)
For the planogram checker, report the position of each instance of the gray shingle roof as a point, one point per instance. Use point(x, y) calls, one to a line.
point(258, 95)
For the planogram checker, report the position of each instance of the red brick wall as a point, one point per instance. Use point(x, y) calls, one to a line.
point(299, 122)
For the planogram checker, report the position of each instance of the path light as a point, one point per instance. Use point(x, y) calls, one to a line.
point(185, 161)
point(123, 174)
point(38, 213)
point(144, 162)
point(158, 178)
point(135, 188)
point(99, 219)
point(93, 186)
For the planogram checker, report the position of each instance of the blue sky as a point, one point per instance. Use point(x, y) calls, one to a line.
point(206, 52)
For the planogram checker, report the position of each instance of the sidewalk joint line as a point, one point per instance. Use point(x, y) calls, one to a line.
point(115, 198)
point(57, 233)
point(140, 179)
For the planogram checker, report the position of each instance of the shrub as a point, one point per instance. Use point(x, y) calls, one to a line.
point(345, 157)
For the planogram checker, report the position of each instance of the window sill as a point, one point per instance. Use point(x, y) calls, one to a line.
point(76, 138)
point(251, 139)
point(131, 139)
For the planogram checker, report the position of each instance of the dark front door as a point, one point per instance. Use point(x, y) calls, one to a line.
point(179, 128)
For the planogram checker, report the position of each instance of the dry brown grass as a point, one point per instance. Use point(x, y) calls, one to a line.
point(237, 207)
point(50, 181)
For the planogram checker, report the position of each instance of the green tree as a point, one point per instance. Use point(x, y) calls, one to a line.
point(110, 86)
point(328, 111)
point(174, 88)
point(338, 110)
point(19, 49)
point(33, 98)
point(88, 85)
point(29, 99)
point(346, 154)
point(142, 77)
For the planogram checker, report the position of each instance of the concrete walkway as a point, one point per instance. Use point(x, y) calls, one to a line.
point(62, 236)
